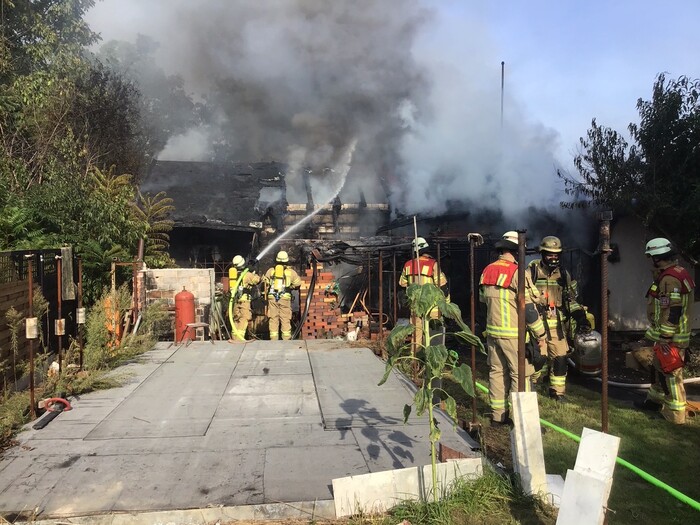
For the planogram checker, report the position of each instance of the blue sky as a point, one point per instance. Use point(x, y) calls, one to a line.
point(569, 61)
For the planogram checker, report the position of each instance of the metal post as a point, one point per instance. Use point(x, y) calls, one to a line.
point(30, 279)
point(369, 294)
point(605, 218)
point(395, 288)
point(58, 326)
point(474, 239)
point(380, 337)
point(81, 313)
point(521, 310)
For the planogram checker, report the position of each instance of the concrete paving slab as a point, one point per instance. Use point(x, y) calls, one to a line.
point(215, 426)
point(316, 466)
point(254, 407)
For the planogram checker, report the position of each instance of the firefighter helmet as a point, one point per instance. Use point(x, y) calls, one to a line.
point(658, 246)
point(509, 241)
point(551, 244)
point(239, 262)
point(282, 257)
point(419, 243)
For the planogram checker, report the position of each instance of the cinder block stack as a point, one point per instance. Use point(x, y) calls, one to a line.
point(325, 319)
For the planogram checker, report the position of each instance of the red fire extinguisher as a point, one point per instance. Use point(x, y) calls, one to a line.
point(184, 314)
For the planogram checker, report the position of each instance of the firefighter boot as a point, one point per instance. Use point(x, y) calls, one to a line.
point(647, 404)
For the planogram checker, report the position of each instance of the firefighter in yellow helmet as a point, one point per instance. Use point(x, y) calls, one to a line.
point(498, 289)
point(241, 282)
point(669, 311)
point(558, 307)
point(421, 269)
point(281, 280)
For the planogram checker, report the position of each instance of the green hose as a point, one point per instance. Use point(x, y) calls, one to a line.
point(642, 474)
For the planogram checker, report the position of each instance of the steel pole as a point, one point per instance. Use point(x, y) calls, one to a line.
point(58, 324)
point(606, 217)
point(472, 322)
point(30, 279)
point(80, 309)
point(380, 337)
point(521, 310)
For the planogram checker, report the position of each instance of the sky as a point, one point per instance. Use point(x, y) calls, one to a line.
point(412, 88)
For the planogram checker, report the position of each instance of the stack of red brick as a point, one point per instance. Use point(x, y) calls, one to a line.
point(325, 319)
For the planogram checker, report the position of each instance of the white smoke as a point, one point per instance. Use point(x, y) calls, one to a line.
point(299, 80)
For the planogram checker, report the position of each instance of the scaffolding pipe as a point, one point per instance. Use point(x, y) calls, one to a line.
point(58, 326)
point(395, 287)
point(605, 218)
point(380, 337)
point(521, 310)
point(81, 313)
point(30, 279)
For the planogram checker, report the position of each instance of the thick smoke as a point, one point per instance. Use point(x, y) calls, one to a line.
point(299, 81)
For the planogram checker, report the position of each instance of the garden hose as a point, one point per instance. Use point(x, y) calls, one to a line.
point(642, 474)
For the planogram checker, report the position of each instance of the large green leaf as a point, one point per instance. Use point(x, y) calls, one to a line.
point(387, 369)
point(451, 408)
point(421, 400)
point(436, 359)
point(396, 342)
point(406, 413)
point(469, 338)
point(463, 375)
point(423, 298)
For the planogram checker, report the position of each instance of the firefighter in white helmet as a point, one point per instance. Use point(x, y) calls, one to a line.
point(241, 282)
point(559, 309)
point(280, 280)
point(670, 301)
point(422, 268)
point(498, 289)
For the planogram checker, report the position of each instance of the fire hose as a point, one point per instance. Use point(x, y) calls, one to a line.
point(642, 474)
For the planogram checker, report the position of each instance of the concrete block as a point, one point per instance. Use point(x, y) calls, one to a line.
point(583, 500)
point(555, 488)
point(379, 491)
point(526, 442)
point(597, 453)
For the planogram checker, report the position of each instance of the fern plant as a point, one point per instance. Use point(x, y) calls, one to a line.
point(435, 361)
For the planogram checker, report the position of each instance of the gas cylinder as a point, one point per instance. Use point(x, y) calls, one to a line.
point(587, 354)
point(184, 314)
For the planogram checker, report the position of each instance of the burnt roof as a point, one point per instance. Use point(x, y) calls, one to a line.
point(218, 195)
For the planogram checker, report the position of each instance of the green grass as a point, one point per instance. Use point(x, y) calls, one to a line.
point(667, 452)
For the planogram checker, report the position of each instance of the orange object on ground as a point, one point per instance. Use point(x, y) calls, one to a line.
point(184, 315)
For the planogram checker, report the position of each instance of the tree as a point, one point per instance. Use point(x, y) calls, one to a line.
point(656, 177)
point(72, 141)
point(155, 212)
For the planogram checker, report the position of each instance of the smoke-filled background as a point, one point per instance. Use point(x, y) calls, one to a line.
point(307, 82)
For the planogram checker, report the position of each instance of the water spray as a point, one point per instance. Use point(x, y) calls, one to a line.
point(344, 168)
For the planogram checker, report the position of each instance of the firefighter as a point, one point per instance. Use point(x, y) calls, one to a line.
point(421, 269)
point(241, 282)
point(669, 311)
point(498, 289)
point(280, 281)
point(561, 314)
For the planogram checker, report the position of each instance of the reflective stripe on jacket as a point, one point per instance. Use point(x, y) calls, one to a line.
point(502, 301)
